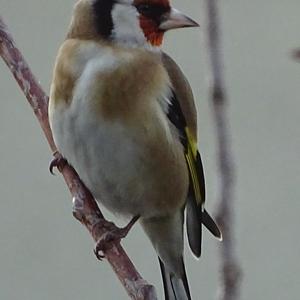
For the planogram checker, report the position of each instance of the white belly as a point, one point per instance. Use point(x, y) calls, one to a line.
point(115, 163)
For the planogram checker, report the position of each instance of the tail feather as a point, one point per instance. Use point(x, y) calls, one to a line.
point(210, 224)
point(175, 288)
point(196, 216)
point(194, 226)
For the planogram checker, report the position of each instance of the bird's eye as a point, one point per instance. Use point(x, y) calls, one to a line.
point(143, 8)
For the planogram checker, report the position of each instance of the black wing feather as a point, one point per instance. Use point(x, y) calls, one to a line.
point(196, 215)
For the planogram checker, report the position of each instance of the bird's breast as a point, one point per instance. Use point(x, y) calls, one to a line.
point(117, 136)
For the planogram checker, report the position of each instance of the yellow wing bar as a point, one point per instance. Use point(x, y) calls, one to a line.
point(191, 158)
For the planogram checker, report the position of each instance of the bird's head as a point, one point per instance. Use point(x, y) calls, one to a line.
point(130, 22)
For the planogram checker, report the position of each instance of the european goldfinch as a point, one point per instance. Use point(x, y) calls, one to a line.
point(123, 115)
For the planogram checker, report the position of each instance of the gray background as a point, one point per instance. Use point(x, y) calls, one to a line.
point(46, 254)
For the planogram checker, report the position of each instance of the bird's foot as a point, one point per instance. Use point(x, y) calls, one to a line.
point(112, 234)
point(58, 162)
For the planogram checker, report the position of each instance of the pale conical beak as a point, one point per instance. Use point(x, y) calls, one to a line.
point(176, 19)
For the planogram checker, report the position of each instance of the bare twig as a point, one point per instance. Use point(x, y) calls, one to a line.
point(85, 207)
point(230, 269)
point(296, 54)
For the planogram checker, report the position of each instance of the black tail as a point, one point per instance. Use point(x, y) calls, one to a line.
point(175, 288)
point(210, 224)
point(196, 216)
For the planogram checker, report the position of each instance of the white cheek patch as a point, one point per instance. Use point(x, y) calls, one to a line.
point(126, 25)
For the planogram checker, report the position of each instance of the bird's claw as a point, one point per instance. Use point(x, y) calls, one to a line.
point(57, 162)
point(105, 242)
point(113, 234)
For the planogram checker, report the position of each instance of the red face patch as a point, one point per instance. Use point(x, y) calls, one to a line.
point(151, 31)
point(151, 13)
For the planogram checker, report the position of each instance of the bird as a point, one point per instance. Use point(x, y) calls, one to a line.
point(122, 113)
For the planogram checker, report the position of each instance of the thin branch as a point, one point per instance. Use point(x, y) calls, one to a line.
point(230, 268)
point(296, 54)
point(85, 209)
